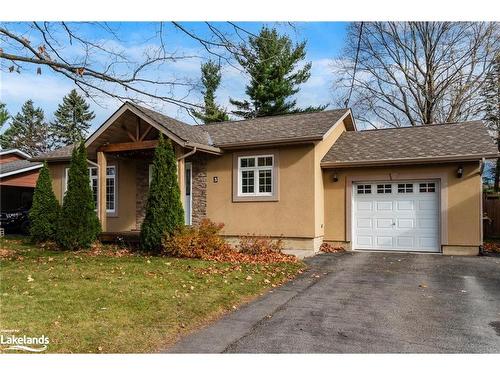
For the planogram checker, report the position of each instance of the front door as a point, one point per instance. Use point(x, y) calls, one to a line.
point(187, 194)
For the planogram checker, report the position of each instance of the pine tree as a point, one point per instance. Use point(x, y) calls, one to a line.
point(78, 225)
point(210, 78)
point(28, 131)
point(4, 115)
point(72, 119)
point(491, 95)
point(44, 212)
point(164, 212)
point(271, 61)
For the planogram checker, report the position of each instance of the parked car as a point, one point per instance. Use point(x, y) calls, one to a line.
point(15, 221)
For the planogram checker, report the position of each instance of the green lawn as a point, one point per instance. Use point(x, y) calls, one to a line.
point(103, 303)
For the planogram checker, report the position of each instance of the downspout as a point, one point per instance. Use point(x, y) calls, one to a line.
point(481, 212)
point(192, 152)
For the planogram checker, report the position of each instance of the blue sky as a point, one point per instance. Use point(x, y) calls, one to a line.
point(324, 43)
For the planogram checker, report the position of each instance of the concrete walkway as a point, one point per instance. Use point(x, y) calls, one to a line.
point(368, 303)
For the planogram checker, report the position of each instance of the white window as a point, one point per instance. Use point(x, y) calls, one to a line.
point(427, 187)
point(94, 181)
point(364, 189)
point(405, 188)
point(384, 189)
point(255, 175)
point(111, 189)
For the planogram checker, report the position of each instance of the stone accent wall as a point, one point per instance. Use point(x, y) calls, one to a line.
point(199, 186)
point(141, 191)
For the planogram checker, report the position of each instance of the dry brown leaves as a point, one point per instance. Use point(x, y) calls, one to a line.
point(329, 248)
point(492, 247)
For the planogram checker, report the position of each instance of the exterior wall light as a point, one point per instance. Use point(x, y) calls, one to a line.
point(460, 172)
point(335, 178)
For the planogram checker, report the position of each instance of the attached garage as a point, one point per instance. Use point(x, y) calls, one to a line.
point(397, 216)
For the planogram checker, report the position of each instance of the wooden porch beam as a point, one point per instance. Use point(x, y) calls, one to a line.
point(128, 146)
point(145, 133)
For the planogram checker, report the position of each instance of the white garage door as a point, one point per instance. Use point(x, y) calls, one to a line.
point(402, 216)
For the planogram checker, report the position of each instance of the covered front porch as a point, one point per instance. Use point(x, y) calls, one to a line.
point(121, 157)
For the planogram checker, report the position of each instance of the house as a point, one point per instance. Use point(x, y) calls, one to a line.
point(307, 178)
point(18, 178)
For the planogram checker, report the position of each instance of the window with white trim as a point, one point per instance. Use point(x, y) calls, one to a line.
point(94, 183)
point(384, 189)
point(427, 187)
point(255, 175)
point(364, 189)
point(405, 188)
point(111, 189)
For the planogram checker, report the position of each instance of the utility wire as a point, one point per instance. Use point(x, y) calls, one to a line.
point(355, 65)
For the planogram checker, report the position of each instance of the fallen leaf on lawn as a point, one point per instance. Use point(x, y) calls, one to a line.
point(148, 261)
point(99, 348)
point(30, 279)
point(234, 307)
point(192, 287)
point(248, 277)
point(266, 281)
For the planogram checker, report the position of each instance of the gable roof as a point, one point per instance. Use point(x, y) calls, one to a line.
point(275, 129)
point(16, 167)
point(440, 142)
point(300, 127)
point(188, 133)
point(16, 151)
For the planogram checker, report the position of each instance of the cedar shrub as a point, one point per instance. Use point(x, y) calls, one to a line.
point(164, 212)
point(78, 223)
point(44, 213)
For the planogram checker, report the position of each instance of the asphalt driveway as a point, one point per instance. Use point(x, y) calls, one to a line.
point(368, 303)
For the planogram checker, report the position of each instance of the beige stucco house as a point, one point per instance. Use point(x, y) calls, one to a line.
point(307, 178)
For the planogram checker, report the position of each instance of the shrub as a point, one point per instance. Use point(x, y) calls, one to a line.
point(164, 212)
point(255, 245)
point(78, 223)
point(202, 241)
point(44, 212)
point(205, 242)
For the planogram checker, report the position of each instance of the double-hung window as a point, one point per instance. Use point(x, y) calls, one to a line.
point(256, 176)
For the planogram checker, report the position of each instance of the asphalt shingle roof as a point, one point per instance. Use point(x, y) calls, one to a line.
point(274, 128)
point(399, 144)
point(17, 165)
point(59, 154)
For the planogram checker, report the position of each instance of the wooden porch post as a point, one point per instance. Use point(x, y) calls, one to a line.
point(101, 188)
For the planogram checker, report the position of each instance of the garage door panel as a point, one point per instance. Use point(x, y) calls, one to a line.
point(399, 216)
point(384, 206)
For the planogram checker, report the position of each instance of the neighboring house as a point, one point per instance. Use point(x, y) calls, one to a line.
point(18, 178)
point(307, 178)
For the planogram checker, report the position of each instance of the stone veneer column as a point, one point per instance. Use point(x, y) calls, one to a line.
point(199, 187)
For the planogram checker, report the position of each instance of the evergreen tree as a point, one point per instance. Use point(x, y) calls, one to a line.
point(72, 119)
point(44, 212)
point(210, 78)
point(78, 223)
point(271, 61)
point(164, 212)
point(28, 131)
point(491, 95)
point(4, 115)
